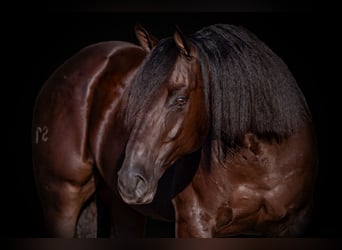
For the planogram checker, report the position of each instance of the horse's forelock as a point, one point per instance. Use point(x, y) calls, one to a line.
point(150, 77)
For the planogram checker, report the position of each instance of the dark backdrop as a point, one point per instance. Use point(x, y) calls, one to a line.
point(47, 39)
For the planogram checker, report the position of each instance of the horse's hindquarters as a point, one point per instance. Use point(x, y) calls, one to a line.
point(66, 107)
point(64, 180)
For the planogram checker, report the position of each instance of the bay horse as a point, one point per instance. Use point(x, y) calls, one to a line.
point(210, 131)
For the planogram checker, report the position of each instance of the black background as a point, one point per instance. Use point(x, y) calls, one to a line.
point(47, 38)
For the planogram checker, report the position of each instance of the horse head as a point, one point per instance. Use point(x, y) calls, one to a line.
point(166, 112)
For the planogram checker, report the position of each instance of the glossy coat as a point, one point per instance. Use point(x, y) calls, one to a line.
point(157, 165)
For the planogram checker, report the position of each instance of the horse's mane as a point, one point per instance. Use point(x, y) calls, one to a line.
point(248, 87)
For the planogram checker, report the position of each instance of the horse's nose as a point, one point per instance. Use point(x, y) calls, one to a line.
point(140, 186)
point(132, 186)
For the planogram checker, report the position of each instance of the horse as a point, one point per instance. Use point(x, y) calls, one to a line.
point(210, 131)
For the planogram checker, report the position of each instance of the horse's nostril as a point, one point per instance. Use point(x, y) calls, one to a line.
point(132, 186)
point(141, 186)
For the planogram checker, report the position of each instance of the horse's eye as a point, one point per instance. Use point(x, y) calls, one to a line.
point(181, 100)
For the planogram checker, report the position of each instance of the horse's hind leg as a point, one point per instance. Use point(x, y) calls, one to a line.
point(62, 202)
point(88, 220)
point(63, 187)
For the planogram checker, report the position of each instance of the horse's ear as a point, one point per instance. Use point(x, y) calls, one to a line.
point(181, 42)
point(146, 40)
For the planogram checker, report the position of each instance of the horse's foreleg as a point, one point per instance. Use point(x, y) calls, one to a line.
point(192, 220)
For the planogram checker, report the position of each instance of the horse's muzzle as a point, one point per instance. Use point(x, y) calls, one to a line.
point(133, 188)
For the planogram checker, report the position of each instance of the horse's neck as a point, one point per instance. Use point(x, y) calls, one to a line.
point(216, 159)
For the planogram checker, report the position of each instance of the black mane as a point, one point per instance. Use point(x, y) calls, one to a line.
point(248, 87)
point(154, 72)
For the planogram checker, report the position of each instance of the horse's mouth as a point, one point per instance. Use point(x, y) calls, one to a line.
point(135, 198)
